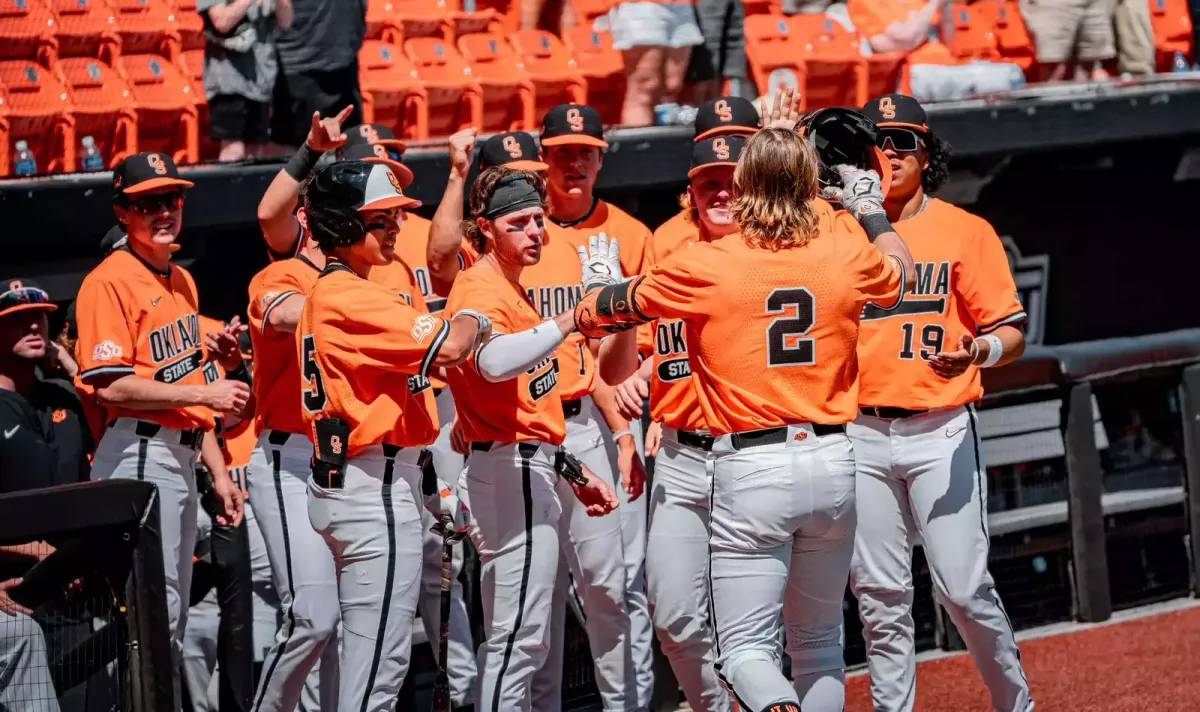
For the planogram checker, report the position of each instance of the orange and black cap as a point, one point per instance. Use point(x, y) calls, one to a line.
point(376, 153)
point(577, 124)
point(897, 111)
point(18, 294)
point(516, 149)
point(716, 151)
point(726, 115)
point(146, 171)
point(374, 133)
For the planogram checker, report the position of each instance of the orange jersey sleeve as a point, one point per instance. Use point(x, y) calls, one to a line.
point(400, 278)
point(964, 286)
point(276, 372)
point(770, 335)
point(355, 337)
point(134, 320)
point(527, 407)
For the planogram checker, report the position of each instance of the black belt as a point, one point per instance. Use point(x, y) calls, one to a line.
point(775, 436)
point(572, 408)
point(187, 438)
point(437, 392)
point(279, 438)
point(886, 413)
point(336, 479)
point(693, 439)
point(526, 448)
point(482, 445)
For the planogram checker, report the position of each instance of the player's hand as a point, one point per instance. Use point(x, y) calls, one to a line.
point(452, 518)
point(784, 113)
point(226, 396)
point(595, 495)
point(224, 344)
point(458, 443)
point(601, 261)
point(633, 473)
point(326, 134)
point(231, 499)
point(861, 193)
point(949, 364)
point(462, 146)
point(630, 394)
point(483, 331)
point(8, 605)
point(653, 438)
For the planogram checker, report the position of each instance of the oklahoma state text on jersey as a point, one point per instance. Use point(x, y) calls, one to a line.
point(354, 339)
point(964, 286)
point(771, 335)
point(136, 320)
point(527, 407)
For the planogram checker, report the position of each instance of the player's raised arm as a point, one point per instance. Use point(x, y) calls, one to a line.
point(445, 235)
point(862, 197)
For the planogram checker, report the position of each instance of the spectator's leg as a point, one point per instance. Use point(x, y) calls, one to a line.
point(1096, 43)
point(235, 637)
point(258, 128)
point(1135, 37)
point(683, 34)
point(643, 84)
point(673, 72)
point(733, 59)
point(1053, 25)
point(289, 120)
point(227, 125)
point(704, 65)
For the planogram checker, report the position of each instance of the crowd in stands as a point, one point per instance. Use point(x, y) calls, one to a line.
point(84, 83)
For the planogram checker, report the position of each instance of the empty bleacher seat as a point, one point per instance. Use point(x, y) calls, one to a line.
point(146, 27)
point(1012, 36)
point(5, 159)
point(602, 66)
point(586, 12)
point(382, 23)
point(191, 63)
point(39, 112)
point(424, 18)
point(85, 28)
point(1172, 25)
point(508, 103)
point(102, 106)
point(773, 55)
point(165, 103)
point(974, 34)
point(556, 76)
point(835, 72)
point(187, 23)
point(507, 13)
point(391, 90)
point(27, 31)
point(455, 98)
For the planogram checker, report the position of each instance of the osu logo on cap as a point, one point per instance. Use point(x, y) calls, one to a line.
point(395, 183)
point(721, 149)
point(575, 119)
point(156, 162)
point(511, 145)
point(722, 110)
point(887, 108)
point(15, 285)
point(368, 132)
point(380, 150)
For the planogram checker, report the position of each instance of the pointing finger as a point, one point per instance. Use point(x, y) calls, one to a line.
point(345, 113)
point(316, 121)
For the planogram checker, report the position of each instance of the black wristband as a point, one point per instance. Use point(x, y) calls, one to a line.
point(302, 163)
point(241, 373)
point(876, 224)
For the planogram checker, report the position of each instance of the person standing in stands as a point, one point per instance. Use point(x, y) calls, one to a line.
point(318, 54)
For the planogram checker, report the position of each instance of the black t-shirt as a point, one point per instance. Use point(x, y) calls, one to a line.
point(44, 439)
point(325, 35)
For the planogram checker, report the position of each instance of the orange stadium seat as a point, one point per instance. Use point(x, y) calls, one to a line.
point(586, 12)
point(1172, 31)
point(191, 63)
point(974, 35)
point(762, 7)
point(146, 27)
point(86, 29)
point(556, 76)
point(602, 66)
point(168, 120)
point(187, 24)
point(835, 72)
point(455, 98)
point(1012, 36)
point(39, 112)
point(102, 106)
point(391, 90)
point(27, 31)
point(508, 100)
point(5, 160)
point(774, 54)
point(382, 23)
point(507, 13)
point(466, 23)
point(424, 18)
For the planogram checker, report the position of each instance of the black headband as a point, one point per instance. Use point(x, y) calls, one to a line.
point(511, 194)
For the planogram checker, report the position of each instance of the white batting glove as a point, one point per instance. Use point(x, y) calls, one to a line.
point(601, 262)
point(862, 193)
point(484, 332)
point(451, 514)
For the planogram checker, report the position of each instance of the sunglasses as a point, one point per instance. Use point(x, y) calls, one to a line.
point(901, 140)
point(157, 202)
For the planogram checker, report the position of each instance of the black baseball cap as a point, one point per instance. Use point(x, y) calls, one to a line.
point(516, 149)
point(18, 294)
point(146, 171)
point(716, 151)
point(726, 115)
point(577, 124)
point(376, 153)
point(114, 238)
point(70, 325)
point(374, 133)
point(897, 111)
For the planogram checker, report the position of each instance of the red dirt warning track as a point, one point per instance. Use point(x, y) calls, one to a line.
point(1151, 663)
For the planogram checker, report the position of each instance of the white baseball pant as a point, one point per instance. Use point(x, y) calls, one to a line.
point(372, 525)
point(266, 598)
point(25, 682)
point(302, 667)
point(677, 569)
point(596, 563)
point(166, 458)
point(782, 537)
point(922, 476)
point(200, 653)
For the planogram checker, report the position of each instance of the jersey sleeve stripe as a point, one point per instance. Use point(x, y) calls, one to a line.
point(900, 299)
point(266, 319)
point(1014, 318)
point(105, 370)
point(434, 347)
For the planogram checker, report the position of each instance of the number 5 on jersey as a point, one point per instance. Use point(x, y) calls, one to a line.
point(313, 388)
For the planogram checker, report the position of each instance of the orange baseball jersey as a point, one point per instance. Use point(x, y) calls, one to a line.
point(95, 414)
point(397, 277)
point(354, 337)
point(411, 244)
point(770, 335)
point(277, 400)
point(964, 286)
point(237, 443)
point(527, 407)
point(134, 320)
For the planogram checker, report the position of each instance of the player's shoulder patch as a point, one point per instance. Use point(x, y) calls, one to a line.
point(107, 350)
point(425, 325)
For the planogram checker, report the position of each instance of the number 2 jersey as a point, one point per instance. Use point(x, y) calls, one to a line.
point(964, 286)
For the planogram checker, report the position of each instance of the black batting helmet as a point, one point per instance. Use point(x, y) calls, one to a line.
point(845, 136)
point(338, 192)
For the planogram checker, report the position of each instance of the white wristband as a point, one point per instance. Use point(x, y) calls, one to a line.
point(995, 350)
point(620, 434)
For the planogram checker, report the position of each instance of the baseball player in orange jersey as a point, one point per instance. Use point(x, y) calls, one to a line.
point(917, 435)
point(369, 430)
point(771, 316)
point(511, 415)
point(140, 348)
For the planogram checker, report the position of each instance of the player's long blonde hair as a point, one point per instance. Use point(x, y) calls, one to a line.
point(774, 185)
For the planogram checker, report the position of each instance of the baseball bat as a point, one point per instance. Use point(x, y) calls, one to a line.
point(441, 685)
